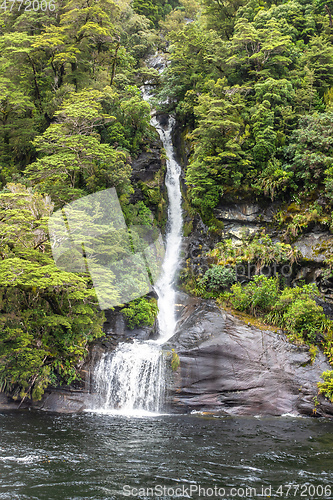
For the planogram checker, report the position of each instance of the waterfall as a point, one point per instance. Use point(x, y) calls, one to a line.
point(131, 379)
point(165, 285)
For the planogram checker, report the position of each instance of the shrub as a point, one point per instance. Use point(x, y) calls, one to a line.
point(218, 278)
point(140, 312)
point(305, 319)
point(259, 250)
point(293, 309)
point(258, 296)
point(297, 312)
point(326, 387)
point(240, 299)
point(175, 361)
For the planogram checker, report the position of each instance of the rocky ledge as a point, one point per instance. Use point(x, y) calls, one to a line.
point(238, 369)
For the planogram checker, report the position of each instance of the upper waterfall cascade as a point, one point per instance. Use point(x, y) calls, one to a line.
point(132, 378)
point(165, 286)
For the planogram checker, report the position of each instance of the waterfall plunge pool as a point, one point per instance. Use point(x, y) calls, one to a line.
point(88, 456)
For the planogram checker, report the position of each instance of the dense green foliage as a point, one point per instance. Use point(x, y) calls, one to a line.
point(47, 316)
point(71, 121)
point(326, 387)
point(252, 83)
point(260, 250)
point(141, 312)
point(293, 309)
point(218, 277)
point(155, 10)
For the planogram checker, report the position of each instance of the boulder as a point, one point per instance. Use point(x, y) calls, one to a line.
point(315, 246)
point(65, 401)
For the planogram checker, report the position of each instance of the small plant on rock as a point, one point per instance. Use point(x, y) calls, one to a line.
point(326, 387)
point(218, 278)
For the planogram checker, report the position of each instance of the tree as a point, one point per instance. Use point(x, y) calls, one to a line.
point(73, 160)
point(263, 51)
point(154, 10)
point(218, 160)
point(47, 316)
point(18, 46)
point(311, 152)
point(271, 117)
point(221, 15)
point(195, 58)
point(16, 111)
point(55, 44)
point(318, 57)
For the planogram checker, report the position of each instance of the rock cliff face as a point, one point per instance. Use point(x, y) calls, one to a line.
point(236, 369)
point(314, 243)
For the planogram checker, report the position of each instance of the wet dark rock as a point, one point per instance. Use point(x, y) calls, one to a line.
point(7, 403)
point(239, 369)
point(65, 401)
point(145, 166)
point(327, 307)
point(245, 212)
point(54, 400)
point(237, 231)
point(144, 169)
point(225, 365)
point(197, 245)
point(116, 329)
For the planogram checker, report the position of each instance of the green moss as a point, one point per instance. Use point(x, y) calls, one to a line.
point(297, 218)
point(215, 226)
point(187, 229)
point(293, 208)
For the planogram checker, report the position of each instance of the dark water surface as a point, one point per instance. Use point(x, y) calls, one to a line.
point(90, 456)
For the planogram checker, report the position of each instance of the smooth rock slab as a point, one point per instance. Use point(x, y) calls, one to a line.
point(237, 369)
point(65, 401)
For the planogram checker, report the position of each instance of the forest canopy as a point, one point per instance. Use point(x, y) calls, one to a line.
point(251, 81)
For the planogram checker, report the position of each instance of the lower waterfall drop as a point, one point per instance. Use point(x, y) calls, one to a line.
point(131, 379)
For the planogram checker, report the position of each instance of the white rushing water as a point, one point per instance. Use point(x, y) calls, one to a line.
point(131, 380)
point(165, 286)
point(126, 379)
